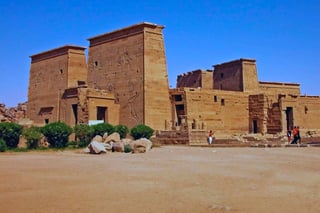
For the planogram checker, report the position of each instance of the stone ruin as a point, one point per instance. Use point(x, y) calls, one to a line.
point(13, 114)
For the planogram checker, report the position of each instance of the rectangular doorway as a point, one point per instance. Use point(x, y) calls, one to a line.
point(255, 126)
point(75, 113)
point(289, 118)
point(102, 114)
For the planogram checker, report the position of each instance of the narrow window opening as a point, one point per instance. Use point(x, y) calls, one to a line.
point(96, 63)
point(46, 121)
point(215, 98)
point(222, 102)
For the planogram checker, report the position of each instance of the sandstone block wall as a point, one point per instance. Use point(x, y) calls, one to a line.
point(221, 111)
point(52, 72)
point(131, 64)
point(276, 88)
point(196, 79)
point(306, 111)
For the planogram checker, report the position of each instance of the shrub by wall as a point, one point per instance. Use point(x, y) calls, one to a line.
point(141, 131)
point(100, 129)
point(83, 133)
point(57, 134)
point(122, 130)
point(3, 145)
point(33, 136)
point(10, 133)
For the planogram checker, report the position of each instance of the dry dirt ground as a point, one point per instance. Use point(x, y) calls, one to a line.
point(166, 179)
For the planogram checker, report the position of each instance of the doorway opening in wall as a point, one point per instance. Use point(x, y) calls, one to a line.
point(102, 113)
point(180, 113)
point(46, 121)
point(75, 113)
point(289, 118)
point(255, 126)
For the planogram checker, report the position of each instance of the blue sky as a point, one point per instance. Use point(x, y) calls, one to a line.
point(282, 35)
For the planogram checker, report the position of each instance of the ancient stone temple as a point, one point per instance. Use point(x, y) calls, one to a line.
point(125, 81)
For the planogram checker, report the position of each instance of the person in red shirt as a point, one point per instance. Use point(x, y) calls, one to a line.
point(210, 137)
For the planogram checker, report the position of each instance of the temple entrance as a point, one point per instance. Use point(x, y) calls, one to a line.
point(75, 113)
point(289, 118)
point(102, 114)
point(255, 126)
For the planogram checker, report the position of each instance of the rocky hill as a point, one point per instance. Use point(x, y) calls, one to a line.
point(12, 114)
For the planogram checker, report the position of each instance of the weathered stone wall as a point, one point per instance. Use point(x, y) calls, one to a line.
point(196, 79)
point(238, 75)
point(250, 76)
point(131, 64)
point(275, 88)
point(258, 113)
point(306, 112)
point(157, 108)
point(101, 98)
point(52, 72)
point(222, 111)
point(189, 137)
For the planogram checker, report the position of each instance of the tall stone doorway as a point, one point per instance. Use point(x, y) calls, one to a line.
point(289, 118)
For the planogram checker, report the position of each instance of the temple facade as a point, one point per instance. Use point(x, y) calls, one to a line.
point(125, 81)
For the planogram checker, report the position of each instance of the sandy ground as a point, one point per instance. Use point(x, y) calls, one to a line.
point(167, 179)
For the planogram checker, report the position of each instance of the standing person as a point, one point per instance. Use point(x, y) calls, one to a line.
point(298, 135)
point(210, 137)
point(295, 135)
point(289, 135)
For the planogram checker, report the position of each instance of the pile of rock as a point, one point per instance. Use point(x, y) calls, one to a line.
point(12, 114)
point(113, 143)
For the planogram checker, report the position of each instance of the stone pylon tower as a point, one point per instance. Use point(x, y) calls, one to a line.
point(51, 72)
point(131, 63)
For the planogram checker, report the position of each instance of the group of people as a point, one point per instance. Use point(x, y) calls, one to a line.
point(295, 133)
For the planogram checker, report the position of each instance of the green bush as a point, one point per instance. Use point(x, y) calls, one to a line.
point(100, 129)
point(141, 131)
point(10, 133)
point(33, 136)
point(3, 145)
point(83, 133)
point(122, 130)
point(127, 148)
point(57, 134)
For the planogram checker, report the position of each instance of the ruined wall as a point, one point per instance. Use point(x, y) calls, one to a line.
point(12, 114)
point(258, 114)
point(49, 77)
point(195, 79)
point(131, 64)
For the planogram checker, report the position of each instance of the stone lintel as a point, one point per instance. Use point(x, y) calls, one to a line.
point(124, 32)
point(55, 52)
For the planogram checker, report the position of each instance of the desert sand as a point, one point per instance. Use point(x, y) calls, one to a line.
point(166, 179)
